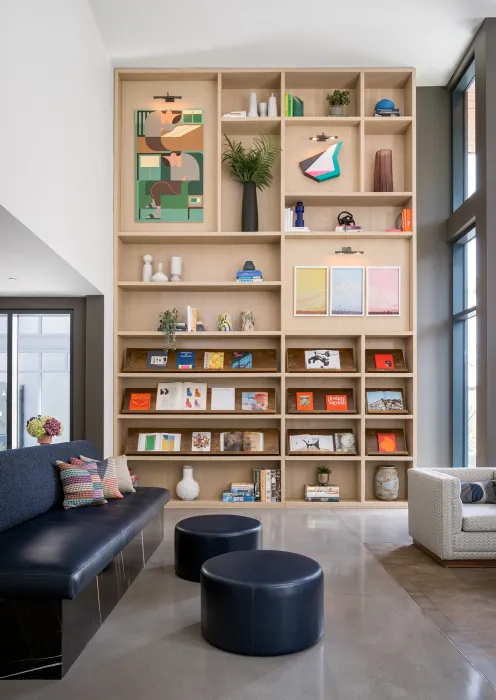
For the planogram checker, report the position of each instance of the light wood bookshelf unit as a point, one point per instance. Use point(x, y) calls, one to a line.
point(213, 250)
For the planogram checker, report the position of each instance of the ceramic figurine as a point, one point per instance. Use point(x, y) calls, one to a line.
point(272, 106)
point(188, 489)
point(299, 209)
point(160, 275)
point(247, 321)
point(387, 483)
point(253, 110)
point(147, 268)
point(176, 269)
point(263, 109)
point(225, 323)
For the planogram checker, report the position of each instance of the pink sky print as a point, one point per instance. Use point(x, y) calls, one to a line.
point(383, 291)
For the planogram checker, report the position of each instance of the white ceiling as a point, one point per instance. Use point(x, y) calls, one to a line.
point(430, 35)
point(37, 270)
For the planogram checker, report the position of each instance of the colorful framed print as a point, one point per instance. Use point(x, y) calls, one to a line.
point(311, 295)
point(347, 291)
point(383, 291)
point(169, 165)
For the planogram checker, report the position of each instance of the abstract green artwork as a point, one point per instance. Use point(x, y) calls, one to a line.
point(169, 165)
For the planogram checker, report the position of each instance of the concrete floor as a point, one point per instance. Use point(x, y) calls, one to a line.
point(378, 644)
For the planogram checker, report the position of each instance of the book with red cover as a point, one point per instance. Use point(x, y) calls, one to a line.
point(386, 442)
point(336, 402)
point(304, 400)
point(140, 401)
point(384, 361)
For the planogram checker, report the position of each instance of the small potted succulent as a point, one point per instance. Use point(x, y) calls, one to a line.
point(336, 101)
point(168, 324)
point(323, 472)
point(44, 428)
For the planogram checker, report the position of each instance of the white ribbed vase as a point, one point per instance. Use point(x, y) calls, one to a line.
point(188, 489)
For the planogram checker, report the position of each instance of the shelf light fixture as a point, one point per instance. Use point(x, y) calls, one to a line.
point(167, 98)
point(348, 250)
point(323, 137)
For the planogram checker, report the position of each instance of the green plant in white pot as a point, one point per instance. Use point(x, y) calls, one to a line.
point(337, 100)
point(323, 472)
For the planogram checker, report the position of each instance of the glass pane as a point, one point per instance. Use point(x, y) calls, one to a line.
point(472, 390)
point(470, 136)
point(471, 273)
point(3, 382)
point(43, 372)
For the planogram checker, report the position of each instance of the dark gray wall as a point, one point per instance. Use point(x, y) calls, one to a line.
point(434, 277)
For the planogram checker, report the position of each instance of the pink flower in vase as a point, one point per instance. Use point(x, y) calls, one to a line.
point(53, 427)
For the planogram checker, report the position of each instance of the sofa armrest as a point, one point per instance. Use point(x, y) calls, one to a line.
point(434, 510)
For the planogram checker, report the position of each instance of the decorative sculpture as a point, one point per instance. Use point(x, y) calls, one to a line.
point(225, 323)
point(299, 209)
point(323, 166)
point(383, 171)
point(247, 321)
point(147, 268)
point(160, 275)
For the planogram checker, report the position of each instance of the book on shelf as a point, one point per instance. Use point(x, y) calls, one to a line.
point(181, 396)
point(304, 400)
point(322, 359)
point(159, 442)
point(156, 359)
point(336, 402)
point(288, 105)
point(228, 497)
point(249, 276)
point(406, 219)
point(322, 499)
point(345, 442)
point(254, 401)
point(253, 441)
point(384, 360)
point(201, 441)
point(191, 318)
point(311, 443)
point(231, 441)
point(222, 398)
point(140, 401)
point(213, 360)
point(297, 107)
point(242, 360)
point(185, 359)
point(243, 487)
point(321, 490)
point(386, 442)
point(267, 485)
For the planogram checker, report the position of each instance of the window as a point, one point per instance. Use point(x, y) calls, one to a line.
point(464, 154)
point(465, 351)
point(35, 373)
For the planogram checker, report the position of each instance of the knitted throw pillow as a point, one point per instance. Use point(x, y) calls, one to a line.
point(478, 492)
point(106, 469)
point(82, 485)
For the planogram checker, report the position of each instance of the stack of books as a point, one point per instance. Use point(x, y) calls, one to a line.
point(235, 114)
point(289, 222)
point(240, 493)
point(249, 276)
point(267, 485)
point(293, 106)
point(395, 112)
point(321, 493)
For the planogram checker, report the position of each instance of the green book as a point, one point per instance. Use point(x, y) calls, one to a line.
point(150, 443)
point(297, 107)
point(288, 103)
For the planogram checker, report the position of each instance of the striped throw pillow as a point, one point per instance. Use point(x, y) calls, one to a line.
point(82, 485)
point(108, 475)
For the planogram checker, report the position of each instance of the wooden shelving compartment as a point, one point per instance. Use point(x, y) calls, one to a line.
point(214, 249)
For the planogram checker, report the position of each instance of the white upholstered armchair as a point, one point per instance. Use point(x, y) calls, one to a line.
point(441, 524)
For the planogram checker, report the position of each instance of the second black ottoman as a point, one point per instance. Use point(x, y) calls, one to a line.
point(202, 537)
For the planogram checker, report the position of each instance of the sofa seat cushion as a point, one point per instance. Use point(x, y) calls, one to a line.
point(58, 553)
point(479, 517)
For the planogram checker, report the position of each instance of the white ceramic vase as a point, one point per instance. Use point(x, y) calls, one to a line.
point(147, 268)
point(188, 489)
point(272, 106)
point(263, 109)
point(176, 269)
point(160, 275)
point(253, 109)
point(387, 483)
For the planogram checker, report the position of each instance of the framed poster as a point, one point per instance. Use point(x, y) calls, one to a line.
point(347, 291)
point(383, 291)
point(311, 294)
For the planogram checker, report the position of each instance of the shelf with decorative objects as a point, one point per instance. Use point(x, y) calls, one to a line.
point(233, 261)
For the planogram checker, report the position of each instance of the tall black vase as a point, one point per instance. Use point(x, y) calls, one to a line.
point(249, 212)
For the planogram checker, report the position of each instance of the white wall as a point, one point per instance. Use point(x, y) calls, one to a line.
point(56, 97)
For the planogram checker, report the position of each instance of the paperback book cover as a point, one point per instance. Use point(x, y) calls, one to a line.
point(156, 359)
point(140, 401)
point(384, 361)
point(243, 488)
point(185, 359)
point(201, 441)
point(336, 402)
point(345, 442)
point(222, 398)
point(322, 359)
point(387, 442)
point(311, 443)
point(179, 396)
point(236, 498)
point(304, 400)
point(231, 442)
point(242, 360)
point(213, 360)
point(253, 442)
point(254, 401)
point(159, 442)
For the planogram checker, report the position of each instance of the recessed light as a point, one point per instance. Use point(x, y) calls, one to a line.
point(12, 279)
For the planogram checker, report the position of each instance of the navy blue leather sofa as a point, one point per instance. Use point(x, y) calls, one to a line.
point(63, 571)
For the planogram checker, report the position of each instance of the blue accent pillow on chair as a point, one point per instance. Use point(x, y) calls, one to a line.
point(478, 492)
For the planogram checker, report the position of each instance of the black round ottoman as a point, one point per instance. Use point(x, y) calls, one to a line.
point(262, 603)
point(205, 536)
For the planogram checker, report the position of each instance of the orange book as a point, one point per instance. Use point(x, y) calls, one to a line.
point(304, 400)
point(336, 402)
point(387, 442)
point(406, 218)
point(139, 401)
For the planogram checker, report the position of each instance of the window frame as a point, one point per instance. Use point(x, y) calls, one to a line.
point(459, 137)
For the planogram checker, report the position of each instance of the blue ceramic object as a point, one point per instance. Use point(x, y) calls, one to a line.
point(385, 104)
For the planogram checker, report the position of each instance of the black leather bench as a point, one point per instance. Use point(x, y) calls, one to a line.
point(63, 571)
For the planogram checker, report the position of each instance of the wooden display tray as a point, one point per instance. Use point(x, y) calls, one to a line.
point(319, 401)
point(237, 403)
point(386, 413)
point(398, 357)
point(271, 441)
point(324, 431)
point(263, 361)
point(296, 361)
point(371, 444)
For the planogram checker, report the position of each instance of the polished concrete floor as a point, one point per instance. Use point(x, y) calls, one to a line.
point(378, 643)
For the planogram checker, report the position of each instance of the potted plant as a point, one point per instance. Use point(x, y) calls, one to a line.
point(323, 472)
point(168, 324)
point(251, 167)
point(336, 101)
point(44, 428)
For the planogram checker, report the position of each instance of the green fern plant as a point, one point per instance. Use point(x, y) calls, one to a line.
point(254, 164)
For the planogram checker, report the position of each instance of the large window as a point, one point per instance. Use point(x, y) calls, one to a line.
point(465, 351)
point(35, 373)
point(464, 154)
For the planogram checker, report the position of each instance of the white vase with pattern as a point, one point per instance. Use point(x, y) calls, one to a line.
point(188, 489)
